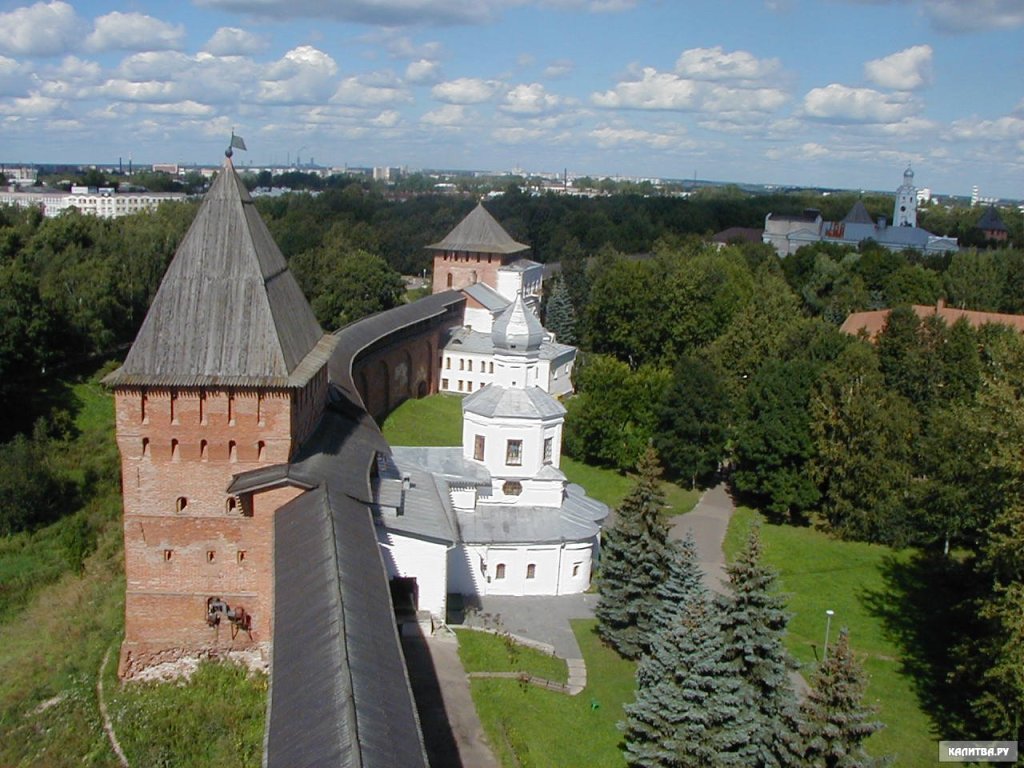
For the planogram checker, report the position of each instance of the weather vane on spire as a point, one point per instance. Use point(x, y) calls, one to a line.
point(237, 142)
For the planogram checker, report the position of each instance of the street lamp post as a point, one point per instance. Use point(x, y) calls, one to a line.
point(828, 625)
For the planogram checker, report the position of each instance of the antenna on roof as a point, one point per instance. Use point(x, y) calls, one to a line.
point(237, 142)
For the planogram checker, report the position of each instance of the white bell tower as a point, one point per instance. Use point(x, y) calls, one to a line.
point(904, 211)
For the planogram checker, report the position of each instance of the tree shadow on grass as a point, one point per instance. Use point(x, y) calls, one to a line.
point(925, 606)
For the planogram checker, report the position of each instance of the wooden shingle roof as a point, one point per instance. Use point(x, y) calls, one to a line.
point(479, 233)
point(228, 311)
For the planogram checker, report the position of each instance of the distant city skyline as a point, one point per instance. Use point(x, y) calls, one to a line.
point(833, 93)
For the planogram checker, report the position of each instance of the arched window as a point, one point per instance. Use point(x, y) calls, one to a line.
point(180, 504)
point(531, 571)
point(174, 450)
point(499, 572)
point(261, 449)
point(231, 505)
point(145, 447)
point(232, 451)
point(203, 445)
point(449, 279)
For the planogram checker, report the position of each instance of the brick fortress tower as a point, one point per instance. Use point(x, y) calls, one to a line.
point(473, 252)
point(228, 374)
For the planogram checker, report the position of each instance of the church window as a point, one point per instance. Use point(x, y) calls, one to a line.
point(448, 362)
point(469, 365)
point(512, 488)
point(203, 445)
point(490, 368)
point(499, 572)
point(444, 383)
point(514, 453)
point(548, 449)
point(460, 385)
point(180, 504)
point(576, 569)
point(469, 386)
point(462, 364)
point(531, 571)
point(232, 451)
point(478, 447)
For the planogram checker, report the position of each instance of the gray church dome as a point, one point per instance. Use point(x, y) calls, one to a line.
point(517, 329)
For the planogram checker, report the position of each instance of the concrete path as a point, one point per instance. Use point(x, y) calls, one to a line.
point(452, 730)
point(708, 520)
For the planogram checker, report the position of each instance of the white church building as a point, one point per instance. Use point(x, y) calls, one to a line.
point(496, 515)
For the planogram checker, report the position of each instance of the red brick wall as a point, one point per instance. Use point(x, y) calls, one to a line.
point(466, 269)
point(183, 533)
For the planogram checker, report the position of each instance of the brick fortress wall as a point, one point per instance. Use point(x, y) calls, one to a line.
point(456, 269)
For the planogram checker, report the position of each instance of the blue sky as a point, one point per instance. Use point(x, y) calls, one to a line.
point(826, 92)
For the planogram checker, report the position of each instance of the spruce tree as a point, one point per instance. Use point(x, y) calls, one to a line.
point(560, 317)
point(634, 557)
point(683, 583)
point(754, 624)
point(690, 707)
point(833, 720)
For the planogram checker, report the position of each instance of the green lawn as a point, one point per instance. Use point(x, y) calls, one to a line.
point(487, 652)
point(528, 726)
point(818, 573)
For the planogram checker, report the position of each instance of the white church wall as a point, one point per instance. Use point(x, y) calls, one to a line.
point(465, 372)
point(479, 319)
point(426, 561)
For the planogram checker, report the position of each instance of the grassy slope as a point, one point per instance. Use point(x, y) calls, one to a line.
point(486, 652)
point(528, 726)
point(54, 636)
point(817, 573)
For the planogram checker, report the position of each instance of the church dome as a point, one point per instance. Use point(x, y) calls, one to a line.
point(908, 175)
point(517, 329)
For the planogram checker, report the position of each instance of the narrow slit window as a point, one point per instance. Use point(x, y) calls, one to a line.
point(241, 556)
point(145, 447)
point(180, 504)
point(174, 450)
point(203, 446)
point(531, 571)
point(478, 447)
point(168, 553)
point(210, 555)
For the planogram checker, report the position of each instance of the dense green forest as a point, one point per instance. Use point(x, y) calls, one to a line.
point(721, 358)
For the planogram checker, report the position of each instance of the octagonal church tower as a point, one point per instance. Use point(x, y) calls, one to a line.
point(227, 374)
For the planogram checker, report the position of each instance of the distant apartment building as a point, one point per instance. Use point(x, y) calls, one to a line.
point(105, 202)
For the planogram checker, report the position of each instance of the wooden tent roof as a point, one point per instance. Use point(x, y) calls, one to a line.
point(228, 312)
point(479, 233)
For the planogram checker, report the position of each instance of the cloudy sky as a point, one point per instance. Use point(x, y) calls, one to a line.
point(819, 92)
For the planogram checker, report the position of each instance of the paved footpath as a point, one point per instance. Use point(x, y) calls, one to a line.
point(708, 520)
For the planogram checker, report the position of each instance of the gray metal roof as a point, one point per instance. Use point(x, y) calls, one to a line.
point(340, 693)
point(479, 233)
point(519, 265)
point(228, 311)
point(991, 221)
point(497, 401)
point(476, 342)
point(578, 519)
point(487, 296)
point(858, 214)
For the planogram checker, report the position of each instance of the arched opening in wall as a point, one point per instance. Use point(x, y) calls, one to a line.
point(499, 571)
point(145, 447)
point(261, 450)
point(203, 450)
point(231, 505)
point(232, 451)
point(143, 405)
point(405, 596)
point(449, 281)
point(174, 450)
point(180, 504)
point(531, 571)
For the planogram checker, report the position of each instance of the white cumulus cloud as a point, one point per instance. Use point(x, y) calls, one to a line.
point(134, 32)
point(304, 75)
point(975, 15)
point(530, 99)
point(365, 92)
point(449, 116)
point(465, 90)
point(717, 64)
point(654, 90)
point(422, 71)
point(231, 41)
point(842, 103)
point(906, 70)
point(43, 29)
